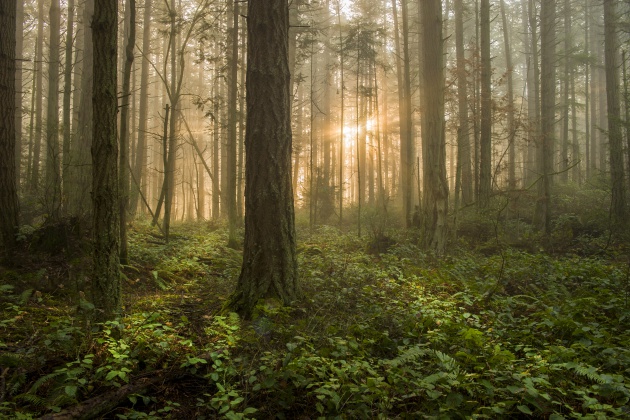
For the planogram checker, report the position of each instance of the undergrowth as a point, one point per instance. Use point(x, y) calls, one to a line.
point(402, 334)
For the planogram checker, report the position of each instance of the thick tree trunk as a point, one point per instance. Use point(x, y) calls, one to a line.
point(105, 198)
point(434, 151)
point(269, 258)
point(8, 180)
point(618, 208)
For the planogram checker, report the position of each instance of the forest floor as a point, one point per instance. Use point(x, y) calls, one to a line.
point(485, 332)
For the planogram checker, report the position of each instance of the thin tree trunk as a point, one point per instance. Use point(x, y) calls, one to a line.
point(123, 165)
point(232, 121)
point(139, 168)
point(485, 158)
point(39, 59)
point(67, 111)
point(510, 110)
point(548, 97)
point(463, 131)
point(407, 141)
point(19, 52)
point(53, 164)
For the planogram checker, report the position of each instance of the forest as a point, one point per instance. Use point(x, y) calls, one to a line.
point(314, 209)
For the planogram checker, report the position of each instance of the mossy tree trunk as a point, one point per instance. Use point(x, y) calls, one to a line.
point(269, 257)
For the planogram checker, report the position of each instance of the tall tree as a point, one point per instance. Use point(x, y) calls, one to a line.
point(105, 199)
point(232, 121)
point(8, 180)
point(123, 164)
point(611, 43)
point(464, 170)
point(485, 157)
point(79, 201)
point(39, 76)
point(434, 146)
point(67, 111)
point(139, 172)
point(269, 257)
point(53, 155)
point(19, 46)
point(510, 98)
point(407, 149)
point(547, 109)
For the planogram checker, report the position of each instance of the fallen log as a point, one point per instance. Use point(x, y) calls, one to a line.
point(94, 407)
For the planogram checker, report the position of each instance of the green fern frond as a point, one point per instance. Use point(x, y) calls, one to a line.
point(32, 399)
point(407, 356)
point(44, 379)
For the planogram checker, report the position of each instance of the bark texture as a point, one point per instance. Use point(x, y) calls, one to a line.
point(618, 207)
point(269, 257)
point(106, 275)
point(434, 153)
point(8, 182)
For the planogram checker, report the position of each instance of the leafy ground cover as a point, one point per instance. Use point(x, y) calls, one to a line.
point(400, 334)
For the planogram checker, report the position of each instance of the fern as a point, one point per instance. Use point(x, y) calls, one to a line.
point(32, 399)
point(448, 363)
point(45, 379)
point(407, 356)
point(588, 371)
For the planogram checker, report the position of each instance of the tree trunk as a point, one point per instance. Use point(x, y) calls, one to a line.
point(463, 131)
point(19, 52)
point(626, 100)
point(510, 105)
point(407, 149)
point(230, 192)
point(105, 199)
point(485, 158)
point(593, 92)
point(140, 164)
point(547, 101)
point(566, 88)
point(53, 167)
point(8, 180)
point(434, 151)
point(123, 164)
point(341, 114)
point(39, 59)
point(79, 200)
point(67, 111)
point(169, 170)
point(269, 257)
point(618, 207)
